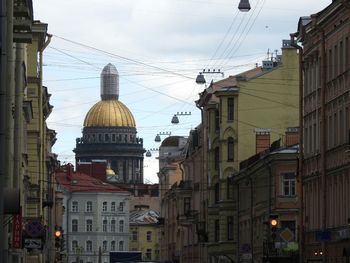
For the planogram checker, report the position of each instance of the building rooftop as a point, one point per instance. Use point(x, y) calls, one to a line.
point(80, 182)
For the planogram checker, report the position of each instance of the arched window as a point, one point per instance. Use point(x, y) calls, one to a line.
point(149, 236)
point(230, 109)
point(104, 245)
point(104, 225)
point(217, 120)
point(104, 206)
point(89, 225)
point(121, 206)
point(113, 245)
point(75, 207)
point(89, 246)
point(75, 225)
point(113, 225)
point(113, 206)
point(74, 245)
point(216, 158)
point(88, 206)
point(230, 149)
point(121, 226)
point(121, 245)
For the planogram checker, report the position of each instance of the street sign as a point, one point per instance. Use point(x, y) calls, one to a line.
point(287, 235)
point(33, 243)
point(34, 228)
point(17, 231)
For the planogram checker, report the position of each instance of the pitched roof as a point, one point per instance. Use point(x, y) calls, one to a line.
point(80, 182)
point(144, 217)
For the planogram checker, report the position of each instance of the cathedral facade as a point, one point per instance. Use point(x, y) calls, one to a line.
point(109, 134)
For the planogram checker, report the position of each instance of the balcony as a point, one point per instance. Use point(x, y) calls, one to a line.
point(22, 23)
point(188, 218)
point(33, 193)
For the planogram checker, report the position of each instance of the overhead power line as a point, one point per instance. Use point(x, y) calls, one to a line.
point(124, 58)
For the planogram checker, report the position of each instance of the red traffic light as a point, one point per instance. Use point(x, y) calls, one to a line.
point(273, 222)
point(58, 233)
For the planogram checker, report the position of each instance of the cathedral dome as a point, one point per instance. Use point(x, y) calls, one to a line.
point(109, 113)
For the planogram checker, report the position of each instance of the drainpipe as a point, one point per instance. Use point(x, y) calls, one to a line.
point(202, 195)
point(18, 123)
point(238, 239)
point(323, 140)
point(301, 148)
point(3, 110)
point(251, 218)
point(67, 209)
point(7, 82)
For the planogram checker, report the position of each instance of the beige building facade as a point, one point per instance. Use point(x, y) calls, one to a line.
point(325, 162)
point(235, 111)
point(266, 188)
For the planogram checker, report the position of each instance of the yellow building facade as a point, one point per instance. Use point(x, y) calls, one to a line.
point(145, 233)
point(235, 112)
point(39, 184)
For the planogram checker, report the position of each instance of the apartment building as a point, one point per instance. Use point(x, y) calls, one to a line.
point(95, 218)
point(325, 160)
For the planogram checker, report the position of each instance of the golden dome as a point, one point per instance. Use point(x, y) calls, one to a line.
point(109, 113)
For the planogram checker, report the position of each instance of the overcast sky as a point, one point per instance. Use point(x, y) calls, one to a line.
point(158, 47)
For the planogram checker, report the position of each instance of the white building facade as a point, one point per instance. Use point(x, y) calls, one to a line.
point(95, 219)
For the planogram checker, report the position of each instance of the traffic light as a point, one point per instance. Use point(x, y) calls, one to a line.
point(58, 237)
point(273, 225)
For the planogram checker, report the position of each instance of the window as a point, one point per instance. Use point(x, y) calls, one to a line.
point(134, 235)
point(104, 246)
point(74, 245)
point(89, 206)
point(230, 109)
point(75, 207)
point(149, 235)
point(288, 184)
point(112, 225)
point(89, 225)
point(217, 121)
point(217, 230)
point(229, 189)
point(113, 206)
point(121, 226)
point(230, 228)
point(75, 225)
point(148, 254)
point(121, 206)
point(216, 158)
point(187, 205)
point(89, 246)
point(121, 245)
point(217, 193)
point(113, 245)
point(104, 225)
point(230, 149)
point(104, 206)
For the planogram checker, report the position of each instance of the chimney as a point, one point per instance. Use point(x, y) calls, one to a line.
point(292, 136)
point(262, 137)
point(69, 171)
